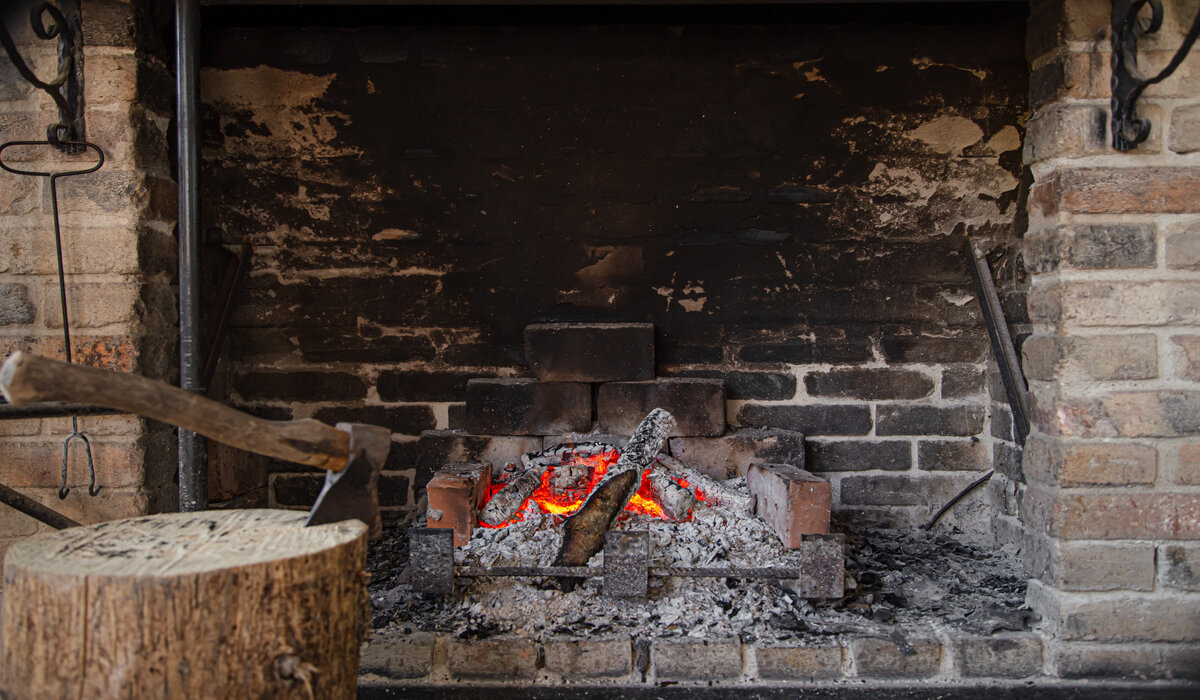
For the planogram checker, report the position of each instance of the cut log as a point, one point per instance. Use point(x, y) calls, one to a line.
point(715, 493)
point(223, 604)
point(508, 500)
point(583, 532)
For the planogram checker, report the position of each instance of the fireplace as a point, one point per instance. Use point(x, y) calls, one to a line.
point(781, 195)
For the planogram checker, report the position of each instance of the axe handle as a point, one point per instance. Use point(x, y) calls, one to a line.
point(27, 378)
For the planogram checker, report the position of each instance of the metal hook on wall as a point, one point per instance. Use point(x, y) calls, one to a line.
point(61, 22)
point(1128, 83)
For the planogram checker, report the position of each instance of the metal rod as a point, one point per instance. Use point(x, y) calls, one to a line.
point(767, 572)
point(193, 459)
point(35, 510)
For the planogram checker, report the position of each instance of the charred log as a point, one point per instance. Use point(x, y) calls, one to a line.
point(714, 492)
point(676, 501)
point(583, 533)
point(509, 499)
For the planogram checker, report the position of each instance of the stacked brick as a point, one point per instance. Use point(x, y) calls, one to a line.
point(119, 255)
point(1110, 507)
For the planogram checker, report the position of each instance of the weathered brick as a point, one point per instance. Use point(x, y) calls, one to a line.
point(1009, 460)
point(952, 455)
point(1184, 134)
point(406, 420)
point(110, 504)
point(20, 427)
point(120, 461)
point(1108, 661)
point(438, 447)
point(741, 386)
point(1114, 516)
point(899, 490)
point(730, 455)
point(781, 663)
point(1102, 566)
point(1187, 470)
point(883, 658)
point(1002, 422)
point(1182, 251)
point(589, 658)
point(812, 419)
point(1188, 364)
point(456, 493)
point(697, 660)
point(527, 407)
point(1053, 24)
point(905, 345)
point(492, 659)
point(792, 501)
point(300, 386)
point(296, 489)
point(1070, 75)
point(401, 385)
point(393, 489)
point(590, 352)
point(16, 308)
point(1091, 463)
point(1088, 358)
point(804, 351)
point(1120, 617)
point(697, 404)
point(1149, 190)
point(962, 420)
point(1093, 246)
point(869, 384)
point(1004, 655)
point(1066, 131)
point(961, 381)
point(351, 345)
point(1179, 566)
point(858, 455)
point(398, 655)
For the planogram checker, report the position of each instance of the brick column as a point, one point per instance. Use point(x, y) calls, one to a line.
point(1111, 504)
point(119, 253)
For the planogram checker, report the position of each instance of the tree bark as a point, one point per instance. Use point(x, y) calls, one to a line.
point(220, 604)
point(583, 532)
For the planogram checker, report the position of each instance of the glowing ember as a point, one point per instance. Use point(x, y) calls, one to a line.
point(564, 501)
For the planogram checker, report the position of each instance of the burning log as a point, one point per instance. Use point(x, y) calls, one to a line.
point(583, 532)
point(509, 499)
point(714, 492)
point(676, 501)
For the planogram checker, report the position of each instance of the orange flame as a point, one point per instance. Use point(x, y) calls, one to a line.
point(564, 502)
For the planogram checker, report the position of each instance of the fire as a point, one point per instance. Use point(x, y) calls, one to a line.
point(565, 501)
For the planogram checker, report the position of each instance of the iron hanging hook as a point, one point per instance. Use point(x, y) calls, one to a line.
point(93, 490)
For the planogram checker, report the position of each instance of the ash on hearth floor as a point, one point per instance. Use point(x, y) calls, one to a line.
point(901, 584)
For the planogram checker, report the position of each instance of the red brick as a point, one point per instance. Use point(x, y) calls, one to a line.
point(792, 501)
point(1105, 515)
point(1091, 358)
point(730, 455)
point(1066, 131)
point(457, 492)
point(1119, 414)
point(1097, 463)
point(697, 404)
point(1119, 191)
point(590, 352)
point(34, 463)
point(1188, 469)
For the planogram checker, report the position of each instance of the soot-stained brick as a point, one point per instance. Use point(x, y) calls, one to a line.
point(527, 407)
point(906, 346)
point(858, 455)
point(401, 385)
point(593, 352)
point(407, 420)
point(868, 384)
point(300, 386)
point(328, 345)
point(764, 386)
point(697, 404)
point(813, 419)
point(928, 420)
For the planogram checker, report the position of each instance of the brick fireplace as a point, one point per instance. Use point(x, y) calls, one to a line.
point(781, 195)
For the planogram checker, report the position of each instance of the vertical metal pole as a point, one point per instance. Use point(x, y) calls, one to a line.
point(193, 458)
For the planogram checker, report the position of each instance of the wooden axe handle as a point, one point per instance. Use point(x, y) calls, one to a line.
point(27, 378)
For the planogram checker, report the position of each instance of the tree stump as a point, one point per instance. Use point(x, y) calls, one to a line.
point(220, 604)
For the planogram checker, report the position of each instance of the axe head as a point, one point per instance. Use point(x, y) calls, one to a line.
point(353, 492)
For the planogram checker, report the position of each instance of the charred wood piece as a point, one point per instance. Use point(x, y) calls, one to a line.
point(583, 532)
point(676, 501)
point(509, 499)
point(715, 493)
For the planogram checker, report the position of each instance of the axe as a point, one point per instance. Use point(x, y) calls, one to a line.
point(351, 453)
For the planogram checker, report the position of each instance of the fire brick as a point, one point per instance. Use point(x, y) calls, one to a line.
point(492, 659)
point(883, 658)
point(730, 455)
point(784, 663)
point(695, 660)
point(590, 352)
point(998, 656)
point(527, 407)
point(456, 494)
point(792, 501)
point(589, 658)
point(438, 447)
point(398, 655)
point(697, 404)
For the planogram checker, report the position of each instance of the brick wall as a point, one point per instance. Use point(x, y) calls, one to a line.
point(1111, 502)
point(119, 257)
point(787, 205)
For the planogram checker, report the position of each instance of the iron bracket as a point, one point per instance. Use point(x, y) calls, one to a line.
point(1128, 82)
point(62, 22)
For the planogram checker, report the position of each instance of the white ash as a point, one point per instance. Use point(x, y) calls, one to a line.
point(900, 582)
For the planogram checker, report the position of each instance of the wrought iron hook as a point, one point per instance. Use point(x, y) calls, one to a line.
point(1128, 82)
point(66, 88)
